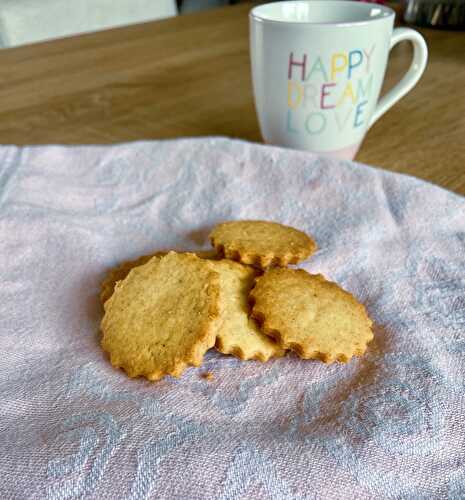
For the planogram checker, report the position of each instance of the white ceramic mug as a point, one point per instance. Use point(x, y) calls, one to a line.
point(318, 67)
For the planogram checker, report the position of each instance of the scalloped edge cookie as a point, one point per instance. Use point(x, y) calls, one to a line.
point(314, 317)
point(261, 243)
point(163, 316)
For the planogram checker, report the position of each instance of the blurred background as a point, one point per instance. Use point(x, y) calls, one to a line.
point(29, 21)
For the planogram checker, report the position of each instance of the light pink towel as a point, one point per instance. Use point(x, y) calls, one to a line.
point(388, 425)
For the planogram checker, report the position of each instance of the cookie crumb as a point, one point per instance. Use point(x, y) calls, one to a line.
point(207, 376)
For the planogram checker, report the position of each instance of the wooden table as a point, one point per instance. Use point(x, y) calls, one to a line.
point(190, 76)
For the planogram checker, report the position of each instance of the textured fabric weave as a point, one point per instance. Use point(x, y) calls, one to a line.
point(388, 425)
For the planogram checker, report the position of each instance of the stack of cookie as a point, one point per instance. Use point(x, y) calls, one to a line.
point(164, 311)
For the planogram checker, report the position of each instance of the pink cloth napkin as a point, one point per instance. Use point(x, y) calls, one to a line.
point(387, 425)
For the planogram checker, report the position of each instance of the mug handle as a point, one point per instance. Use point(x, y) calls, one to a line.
point(410, 79)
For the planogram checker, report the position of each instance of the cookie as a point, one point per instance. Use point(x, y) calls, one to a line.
point(120, 272)
point(310, 315)
point(261, 243)
point(163, 316)
point(239, 334)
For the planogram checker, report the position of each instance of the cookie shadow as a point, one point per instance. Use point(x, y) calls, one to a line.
point(200, 235)
point(368, 367)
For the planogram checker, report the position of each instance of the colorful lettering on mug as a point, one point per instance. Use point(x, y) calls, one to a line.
point(300, 64)
point(315, 123)
point(364, 87)
point(338, 64)
point(358, 111)
point(342, 64)
point(328, 91)
point(289, 126)
point(317, 67)
point(311, 95)
point(347, 94)
point(368, 57)
point(295, 93)
point(355, 60)
point(325, 93)
point(342, 120)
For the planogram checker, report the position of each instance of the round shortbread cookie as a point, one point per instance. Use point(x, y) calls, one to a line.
point(163, 316)
point(310, 315)
point(239, 334)
point(120, 272)
point(261, 243)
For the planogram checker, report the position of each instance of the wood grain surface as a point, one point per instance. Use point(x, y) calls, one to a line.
point(190, 76)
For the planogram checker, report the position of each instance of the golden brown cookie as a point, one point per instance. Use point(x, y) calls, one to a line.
point(310, 315)
point(120, 272)
point(261, 243)
point(163, 316)
point(239, 334)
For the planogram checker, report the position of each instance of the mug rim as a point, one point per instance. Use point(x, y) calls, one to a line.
point(254, 13)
